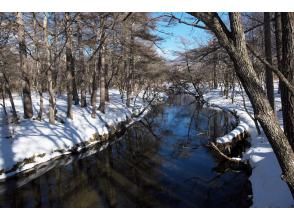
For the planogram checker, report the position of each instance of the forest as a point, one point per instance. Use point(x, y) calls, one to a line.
point(70, 80)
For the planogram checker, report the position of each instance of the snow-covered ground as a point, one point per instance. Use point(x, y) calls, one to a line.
point(268, 188)
point(39, 141)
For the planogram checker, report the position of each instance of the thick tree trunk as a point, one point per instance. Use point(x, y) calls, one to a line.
point(287, 97)
point(268, 54)
point(235, 44)
point(27, 100)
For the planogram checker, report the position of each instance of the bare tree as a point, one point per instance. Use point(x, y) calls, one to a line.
point(27, 100)
point(235, 44)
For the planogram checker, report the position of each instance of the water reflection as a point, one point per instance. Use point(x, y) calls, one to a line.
point(161, 161)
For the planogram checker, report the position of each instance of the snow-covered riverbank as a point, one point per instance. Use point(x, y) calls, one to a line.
point(268, 188)
point(32, 142)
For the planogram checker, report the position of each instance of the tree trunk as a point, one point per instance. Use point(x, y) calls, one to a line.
point(75, 94)
point(40, 113)
point(94, 81)
point(268, 54)
point(287, 97)
point(55, 68)
point(103, 84)
point(2, 89)
point(81, 63)
point(37, 76)
point(8, 90)
point(130, 74)
point(278, 35)
point(52, 101)
point(69, 68)
point(235, 44)
point(27, 100)
point(97, 71)
point(107, 92)
point(74, 84)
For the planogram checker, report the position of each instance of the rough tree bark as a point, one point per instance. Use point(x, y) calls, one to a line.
point(235, 44)
point(268, 54)
point(287, 97)
point(27, 100)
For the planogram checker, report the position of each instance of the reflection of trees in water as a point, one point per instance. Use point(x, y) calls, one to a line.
point(204, 122)
point(130, 171)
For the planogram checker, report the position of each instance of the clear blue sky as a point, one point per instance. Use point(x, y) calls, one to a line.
point(176, 33)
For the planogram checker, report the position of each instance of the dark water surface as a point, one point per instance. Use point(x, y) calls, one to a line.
point(161, 161)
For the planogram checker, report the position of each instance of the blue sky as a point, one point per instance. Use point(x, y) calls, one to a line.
point(178, 33)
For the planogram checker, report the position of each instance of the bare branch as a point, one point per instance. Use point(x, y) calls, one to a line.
point(274, 69)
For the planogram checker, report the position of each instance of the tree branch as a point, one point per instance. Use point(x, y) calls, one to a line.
point(236, 160)
point(274, 69)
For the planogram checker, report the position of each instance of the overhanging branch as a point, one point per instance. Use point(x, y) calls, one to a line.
point(274, 69)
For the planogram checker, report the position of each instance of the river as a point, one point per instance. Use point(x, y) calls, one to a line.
point(161, 161)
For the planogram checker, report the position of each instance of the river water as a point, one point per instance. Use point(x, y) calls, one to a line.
point(161, 161)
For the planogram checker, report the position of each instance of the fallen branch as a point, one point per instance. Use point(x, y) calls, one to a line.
point(233, 159)
point(146, 107)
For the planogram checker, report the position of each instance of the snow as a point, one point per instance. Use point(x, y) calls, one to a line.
point(269, 190)
point(43, 141)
